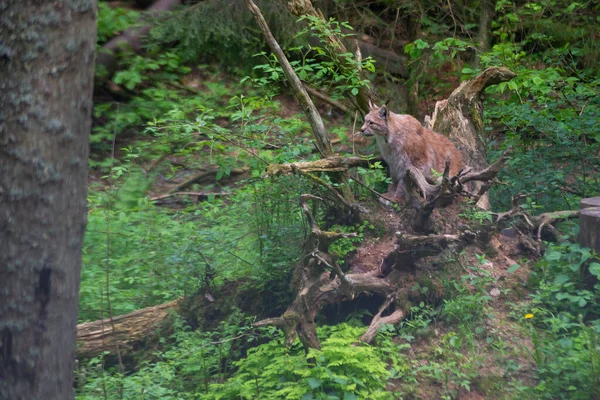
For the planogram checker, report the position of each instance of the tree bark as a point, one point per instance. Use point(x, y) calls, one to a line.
point(460, 117)
point(46, 81)
point(488, 8)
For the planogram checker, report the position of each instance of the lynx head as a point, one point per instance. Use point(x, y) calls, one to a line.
point(376, 121)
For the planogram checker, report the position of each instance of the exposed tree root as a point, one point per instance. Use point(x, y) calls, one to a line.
point(448, 190)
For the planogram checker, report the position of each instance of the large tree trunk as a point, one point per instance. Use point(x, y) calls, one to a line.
point(46, 80)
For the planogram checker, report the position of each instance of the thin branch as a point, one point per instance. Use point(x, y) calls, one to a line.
point(323, 97)
point(322, 140)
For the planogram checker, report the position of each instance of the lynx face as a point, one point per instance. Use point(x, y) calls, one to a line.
point(376, 122)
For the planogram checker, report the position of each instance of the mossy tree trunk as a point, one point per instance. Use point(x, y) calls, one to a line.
point(47, 54)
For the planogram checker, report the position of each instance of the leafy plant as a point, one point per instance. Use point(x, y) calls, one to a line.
point(341, 369)
point(569, 280)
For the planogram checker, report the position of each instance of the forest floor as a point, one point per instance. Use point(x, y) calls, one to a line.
point(479, 348)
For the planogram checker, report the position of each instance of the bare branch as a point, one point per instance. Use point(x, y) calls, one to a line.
point(395, 317)
point(322, 140)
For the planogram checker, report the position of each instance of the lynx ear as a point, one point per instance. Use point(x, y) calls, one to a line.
point(383, 112)
point(372, 105)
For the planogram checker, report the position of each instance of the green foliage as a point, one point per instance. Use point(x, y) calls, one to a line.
point(222, 32)
point(112, 21)
point(569, 280)
point(343, 246)
point(135, 69)
point(185, 368)
point(567, 355)
point(342, 369)
point(318, 66)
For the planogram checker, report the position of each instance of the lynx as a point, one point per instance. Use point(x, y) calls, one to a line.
point(404, 142)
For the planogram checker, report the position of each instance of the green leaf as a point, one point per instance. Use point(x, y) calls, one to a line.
point(314, 383)
point(560, 279)
point(553, 255)
point(354, 91)
point(513, 268)
point(350, 396)
point(595, 269)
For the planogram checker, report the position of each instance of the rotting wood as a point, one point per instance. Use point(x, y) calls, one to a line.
point(329, 164)
point(131, 329)
point(460, 117)
point(449, 189)
point(323, 97)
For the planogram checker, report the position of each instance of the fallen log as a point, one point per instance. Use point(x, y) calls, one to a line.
point(329, 164)
point(130, 330)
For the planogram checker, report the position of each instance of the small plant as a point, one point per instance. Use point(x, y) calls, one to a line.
point(343, 246)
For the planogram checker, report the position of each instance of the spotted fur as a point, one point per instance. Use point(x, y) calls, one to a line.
point(404, 142)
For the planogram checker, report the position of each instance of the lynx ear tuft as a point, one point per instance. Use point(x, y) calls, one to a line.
point(372, 105)
point(383, 112)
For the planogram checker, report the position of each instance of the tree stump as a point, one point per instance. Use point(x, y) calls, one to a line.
point(589, 223)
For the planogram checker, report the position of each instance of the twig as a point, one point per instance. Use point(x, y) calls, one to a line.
point(200, 194)
point(316, 123)
point(323, 97)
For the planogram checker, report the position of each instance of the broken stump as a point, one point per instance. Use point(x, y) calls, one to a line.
point(589, 223)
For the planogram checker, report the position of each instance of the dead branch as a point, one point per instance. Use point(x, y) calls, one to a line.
point(131, 329)
point(323, 97)
point(321, 139)
point(329, 164)
point(205, 176)
point(202, 195)
point(448, 189)
point(378, 320)
point(316, 231)
point(408, 241)
point(534, 225)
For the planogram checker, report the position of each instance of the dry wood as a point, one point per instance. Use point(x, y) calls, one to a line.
point(205, 176)
point(329, 164)
point(460, 117)
point(378, 320)
point(202, 195)
point(449, 189)
point(323, 97)
point(131, 329)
